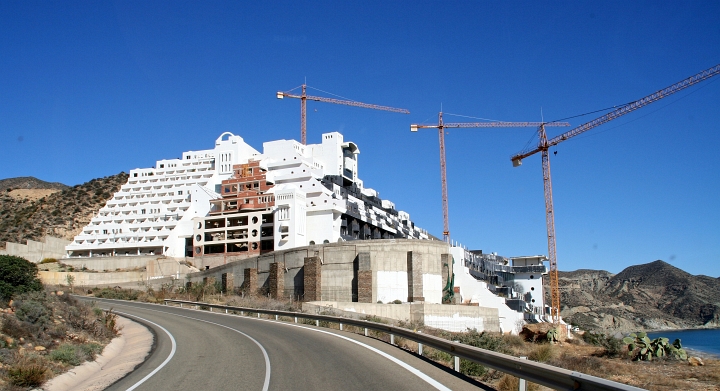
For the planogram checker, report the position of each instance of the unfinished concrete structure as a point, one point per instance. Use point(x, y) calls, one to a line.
point(361, 271)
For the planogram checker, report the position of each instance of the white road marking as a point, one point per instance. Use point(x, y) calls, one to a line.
point(167, 360)
point(266, 384)
point(397, 361)
point(408, 367)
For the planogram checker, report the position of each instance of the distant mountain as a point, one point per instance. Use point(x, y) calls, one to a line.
point(28, 182)
point(61, 213)
point(651, 296)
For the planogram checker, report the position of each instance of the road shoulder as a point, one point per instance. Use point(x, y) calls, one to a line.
point(120, 357)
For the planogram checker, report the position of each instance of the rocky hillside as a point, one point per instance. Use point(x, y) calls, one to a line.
point(652, 296)
point(61, 213)
point(28, 182)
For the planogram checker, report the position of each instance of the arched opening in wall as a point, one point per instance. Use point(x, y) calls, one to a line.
point(225, 136)
point(198, 237)
point(312, 242)
point(254, 233)
point(326, 241)
point(531, 276)
point(199, 225)
point(254, 246)
point(254, 220)
point(532, 288)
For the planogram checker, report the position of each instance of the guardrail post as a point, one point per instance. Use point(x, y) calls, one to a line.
point(276, 317)
point(258, 315)
point(366, 331)
point(317, 323)
point(457, 362)
point(340, 326)
point(419, 349)
point(242, 313)
point(296, 319)
point(392, 339)
point(226, 310)
point(522, 384)
point(180, 305)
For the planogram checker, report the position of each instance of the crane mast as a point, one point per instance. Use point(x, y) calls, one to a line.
point(303, 107)
point(443, 163)
point(544, 145)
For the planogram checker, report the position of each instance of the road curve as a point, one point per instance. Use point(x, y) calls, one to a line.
point(215, 351)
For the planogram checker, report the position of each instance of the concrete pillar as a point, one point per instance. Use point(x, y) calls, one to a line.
point(228, 282)
point(446, 267)
point(312, 279)
point(277, 280)
point(415, 277)
point(250, 285)
point(364, 278)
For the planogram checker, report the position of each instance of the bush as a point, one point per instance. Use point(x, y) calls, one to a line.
point(33, 312)
point(120, 294)
point(75, 354)
point(49, 260)
point(542, 353)
point(17, 275)
point(14, 328)
point(613, 346)
point(30, 375)
point(483, 340)
point(66, 354)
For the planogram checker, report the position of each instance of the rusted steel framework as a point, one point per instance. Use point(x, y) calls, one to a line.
point(443, 169)
point(303, 110)
point(544, 145)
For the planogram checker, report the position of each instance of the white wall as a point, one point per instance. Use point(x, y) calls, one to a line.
point(474, 291)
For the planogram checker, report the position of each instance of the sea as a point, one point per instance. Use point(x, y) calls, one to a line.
point(706, 341)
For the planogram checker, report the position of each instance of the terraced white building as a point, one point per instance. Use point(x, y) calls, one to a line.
point(212, 201)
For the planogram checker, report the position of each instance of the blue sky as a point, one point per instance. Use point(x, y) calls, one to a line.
point(89, 89)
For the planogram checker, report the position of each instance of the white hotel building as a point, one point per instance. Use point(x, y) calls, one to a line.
point(165, 210)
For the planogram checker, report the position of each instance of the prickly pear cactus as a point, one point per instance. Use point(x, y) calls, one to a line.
point(640, 347)
point(553, 335)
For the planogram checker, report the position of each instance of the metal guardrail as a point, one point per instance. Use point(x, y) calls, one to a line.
point(543, 374)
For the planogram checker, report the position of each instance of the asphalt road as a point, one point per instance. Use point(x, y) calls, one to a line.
point(200, 350)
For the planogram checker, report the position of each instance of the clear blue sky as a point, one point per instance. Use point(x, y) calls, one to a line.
point(89, 89)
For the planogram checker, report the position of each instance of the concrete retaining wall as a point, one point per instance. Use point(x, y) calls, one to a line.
point(110, 264)
point(34, 251)
point(91, 279)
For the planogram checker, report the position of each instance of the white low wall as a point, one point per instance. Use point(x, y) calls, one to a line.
point(455, 318)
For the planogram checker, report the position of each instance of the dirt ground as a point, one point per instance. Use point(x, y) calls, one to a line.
point(654, 375)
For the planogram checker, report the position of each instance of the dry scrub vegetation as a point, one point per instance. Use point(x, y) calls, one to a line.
point(596, 355)
point(44, 332)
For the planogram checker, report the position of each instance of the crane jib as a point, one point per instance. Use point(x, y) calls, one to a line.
point(626, 109)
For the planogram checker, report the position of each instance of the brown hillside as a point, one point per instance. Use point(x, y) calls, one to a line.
point(62, 214)
point(28, 182)
point(655, 295)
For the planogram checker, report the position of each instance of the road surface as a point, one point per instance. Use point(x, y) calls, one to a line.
point(200, 350)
